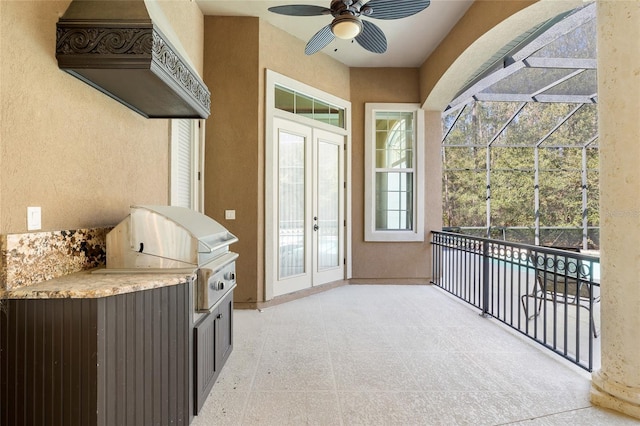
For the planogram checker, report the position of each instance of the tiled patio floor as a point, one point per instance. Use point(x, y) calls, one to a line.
point(392, 355)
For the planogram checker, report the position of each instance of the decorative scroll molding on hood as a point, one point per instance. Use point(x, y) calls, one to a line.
point(116, 47)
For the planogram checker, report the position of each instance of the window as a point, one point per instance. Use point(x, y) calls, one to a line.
point(186, 189)
point(300, 104)
point(394, 140)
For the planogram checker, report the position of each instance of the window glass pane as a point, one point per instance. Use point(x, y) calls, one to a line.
point(326, 114)
point(292, 202)
point(284, 99)
point(304, 106)
point(394, 159)
point(394, 201)
point(381, 122)
point(320, 109)
point(394, 140)
point(381, 139)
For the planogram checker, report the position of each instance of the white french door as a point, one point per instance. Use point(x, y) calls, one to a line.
point(307, 217)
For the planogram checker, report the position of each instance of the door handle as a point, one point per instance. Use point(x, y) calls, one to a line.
point(316, 227)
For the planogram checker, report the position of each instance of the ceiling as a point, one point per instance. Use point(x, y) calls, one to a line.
point(410, 40)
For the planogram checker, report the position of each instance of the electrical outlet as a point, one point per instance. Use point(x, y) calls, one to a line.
point(34, 218)
point(230, 214)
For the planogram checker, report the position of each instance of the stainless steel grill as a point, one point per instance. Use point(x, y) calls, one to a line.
point(165, 238)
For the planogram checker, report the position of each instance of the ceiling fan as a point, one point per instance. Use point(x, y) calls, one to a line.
point(347, 22)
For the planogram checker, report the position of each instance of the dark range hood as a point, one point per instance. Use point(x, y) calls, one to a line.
point(116, 47)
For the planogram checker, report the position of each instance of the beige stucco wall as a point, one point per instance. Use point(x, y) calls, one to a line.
point(284, 54)
point(234, 158)
point(64, 146)
point(232, 166)
point(236, 131)
point(187, 22)
point(382, 260)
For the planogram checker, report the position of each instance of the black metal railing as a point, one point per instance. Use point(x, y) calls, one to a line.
point(548, 236)
point(548, 294)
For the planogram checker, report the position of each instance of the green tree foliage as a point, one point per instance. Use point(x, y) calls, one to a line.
point(562, 144)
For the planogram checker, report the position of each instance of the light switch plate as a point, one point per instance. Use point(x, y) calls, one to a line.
point(34, 218)
point(230, 214)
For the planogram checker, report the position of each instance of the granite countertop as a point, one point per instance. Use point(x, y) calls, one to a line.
point(98, 283)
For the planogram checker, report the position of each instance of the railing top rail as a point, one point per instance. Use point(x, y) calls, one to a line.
point(522, 246)
point(497, 227)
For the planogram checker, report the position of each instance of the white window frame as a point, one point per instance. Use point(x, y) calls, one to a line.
point(370, 232)
point(196, 141)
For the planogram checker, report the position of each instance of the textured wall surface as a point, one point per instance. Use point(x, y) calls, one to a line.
point(234, 155)
point(382, 260)
point(66, 147)
point(617, 384)
point(232, 165)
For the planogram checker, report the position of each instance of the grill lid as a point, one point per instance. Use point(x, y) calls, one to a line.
point(210, 234)
point(166, 237)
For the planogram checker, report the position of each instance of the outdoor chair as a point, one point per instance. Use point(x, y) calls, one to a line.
point(562, 285)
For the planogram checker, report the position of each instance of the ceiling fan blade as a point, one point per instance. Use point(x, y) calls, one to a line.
point(372, 38)
point(300, 10)
point(396, 9)
point(319, 40)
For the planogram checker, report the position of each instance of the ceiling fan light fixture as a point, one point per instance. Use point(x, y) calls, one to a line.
point(346, 26)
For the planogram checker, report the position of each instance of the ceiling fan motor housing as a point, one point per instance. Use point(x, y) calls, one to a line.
point(343, 7)
point(346, 26)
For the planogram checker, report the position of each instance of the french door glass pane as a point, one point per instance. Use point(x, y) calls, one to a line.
point(328, 205)
point(291, 188)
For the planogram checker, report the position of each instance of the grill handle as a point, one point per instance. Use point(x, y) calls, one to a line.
point(203, 247)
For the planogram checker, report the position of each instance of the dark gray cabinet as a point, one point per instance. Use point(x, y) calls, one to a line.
point(119, 360)
point(213, 343)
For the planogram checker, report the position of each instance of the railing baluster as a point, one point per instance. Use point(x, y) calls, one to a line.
point(485, 278)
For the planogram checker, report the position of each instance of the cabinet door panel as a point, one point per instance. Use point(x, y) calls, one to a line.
point(225, 330)
point(205, 363)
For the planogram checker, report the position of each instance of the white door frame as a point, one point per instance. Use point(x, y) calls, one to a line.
point(271, 164)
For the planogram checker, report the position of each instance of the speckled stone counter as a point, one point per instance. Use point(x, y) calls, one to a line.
point(31, 258)
point(94, 284)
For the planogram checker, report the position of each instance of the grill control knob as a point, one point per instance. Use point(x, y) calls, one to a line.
point(218, 285)
point(230, 276)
